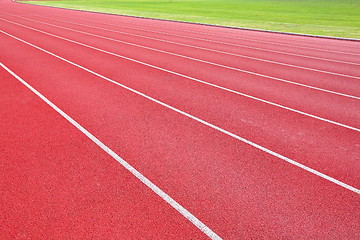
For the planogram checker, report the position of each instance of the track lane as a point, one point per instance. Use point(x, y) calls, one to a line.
point(203, 170)
point(58, 184)
point(265, 134)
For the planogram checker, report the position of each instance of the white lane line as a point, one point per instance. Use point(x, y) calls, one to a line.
point(201, 81)
point(126, 165)
point(324, 176)
point(213, 50)
point(237, 38)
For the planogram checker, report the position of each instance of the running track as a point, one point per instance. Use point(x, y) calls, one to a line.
point(125, 128)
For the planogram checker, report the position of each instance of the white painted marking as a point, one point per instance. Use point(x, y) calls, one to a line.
point(203, 82)
point(324, 176)
point(126, 165)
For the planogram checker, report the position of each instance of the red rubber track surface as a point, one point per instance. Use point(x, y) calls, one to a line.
point(58, 184)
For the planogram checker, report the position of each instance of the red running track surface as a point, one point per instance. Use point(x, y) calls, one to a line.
point(255, 134)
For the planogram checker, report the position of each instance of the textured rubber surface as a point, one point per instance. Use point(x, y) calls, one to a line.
point(59, 184)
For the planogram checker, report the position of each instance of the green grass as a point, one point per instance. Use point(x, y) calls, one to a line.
point(339, 18)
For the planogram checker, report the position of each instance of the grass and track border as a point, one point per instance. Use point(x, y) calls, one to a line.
point(204, 24)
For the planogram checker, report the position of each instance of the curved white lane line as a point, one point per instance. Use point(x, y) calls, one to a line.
point(200, 81)
point(125, 164)
point(324, 176)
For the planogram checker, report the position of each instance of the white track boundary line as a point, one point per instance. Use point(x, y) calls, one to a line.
point(200, 81)
point(213, 50)
point(324, 176)
point(126, 165)
point(247, 39)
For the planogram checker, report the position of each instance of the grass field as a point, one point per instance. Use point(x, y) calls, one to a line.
point(340, 18)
